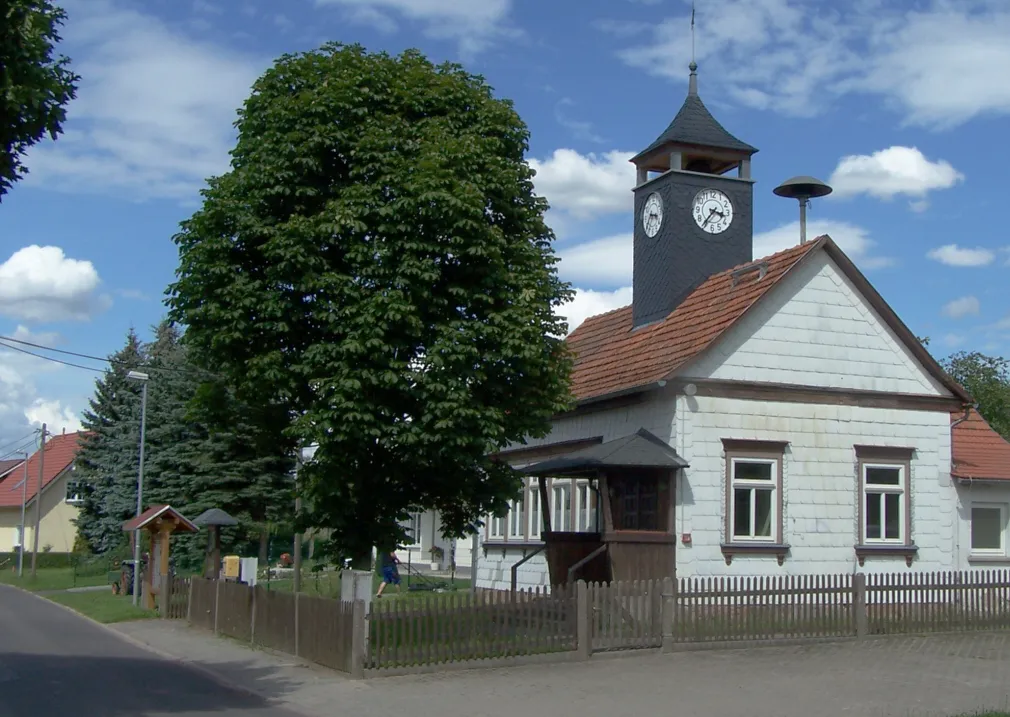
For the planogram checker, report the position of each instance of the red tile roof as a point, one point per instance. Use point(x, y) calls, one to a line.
point(610, 357)
point(977, 450)
point(613, 358)
point(7, 466)
point(60, 453)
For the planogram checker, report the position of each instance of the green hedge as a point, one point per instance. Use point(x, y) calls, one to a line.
point(82, 564)
point(45, 560)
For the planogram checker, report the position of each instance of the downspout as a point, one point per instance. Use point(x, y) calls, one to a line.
point(957, 529)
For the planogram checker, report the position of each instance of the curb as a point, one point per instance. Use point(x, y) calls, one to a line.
point(207, 672)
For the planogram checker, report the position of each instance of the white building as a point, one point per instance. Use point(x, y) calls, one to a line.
point(747, 417)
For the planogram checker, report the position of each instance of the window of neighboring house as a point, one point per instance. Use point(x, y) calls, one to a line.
point(414, 530)
point(561, 503)
point(988, 529)
point(586, 508)
point(533, 501)
point(75, 493)
point(884, 498)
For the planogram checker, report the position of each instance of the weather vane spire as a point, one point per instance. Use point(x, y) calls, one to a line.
point(692, 88)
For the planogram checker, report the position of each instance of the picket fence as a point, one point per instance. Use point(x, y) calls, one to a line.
point(455, 629)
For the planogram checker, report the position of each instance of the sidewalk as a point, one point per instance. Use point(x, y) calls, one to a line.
point(910, 677)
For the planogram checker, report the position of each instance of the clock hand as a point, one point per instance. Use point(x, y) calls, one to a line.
point(711, 213)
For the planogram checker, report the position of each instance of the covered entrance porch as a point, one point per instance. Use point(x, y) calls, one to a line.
point(633, 479)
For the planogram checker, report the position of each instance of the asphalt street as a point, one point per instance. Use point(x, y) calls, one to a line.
point(55, 662)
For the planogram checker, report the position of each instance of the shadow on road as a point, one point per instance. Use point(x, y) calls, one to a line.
point(33, 684)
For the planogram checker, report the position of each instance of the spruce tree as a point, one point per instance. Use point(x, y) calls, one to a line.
point(108, 459)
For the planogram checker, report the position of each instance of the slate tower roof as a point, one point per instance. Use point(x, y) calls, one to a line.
point(694, 124)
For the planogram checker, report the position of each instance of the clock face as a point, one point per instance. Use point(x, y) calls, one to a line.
point(652, 215)
point(713, 211)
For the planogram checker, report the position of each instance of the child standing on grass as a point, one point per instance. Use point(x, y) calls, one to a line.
point(390, 574)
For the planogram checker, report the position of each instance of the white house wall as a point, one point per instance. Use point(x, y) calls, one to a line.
point(820, 484)
point(815, 329)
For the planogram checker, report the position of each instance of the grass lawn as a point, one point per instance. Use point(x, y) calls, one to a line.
point(103, 606)
point(50, 579)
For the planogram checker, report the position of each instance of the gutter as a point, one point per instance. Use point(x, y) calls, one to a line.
point(967, 412)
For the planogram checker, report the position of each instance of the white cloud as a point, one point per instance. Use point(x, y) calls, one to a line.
point(586, 186)
point(607, 261)
point(154, 114)
point(953, 340)
point(893, 171)
point(580, 129)
point(57, 417)
point(954, 255)
point(939, 64)
point(959, 308)
point(591, 303)
point(852, 239)
point(42, 284)
point(474, 25)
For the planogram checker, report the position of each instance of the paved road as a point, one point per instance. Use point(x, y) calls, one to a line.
point(53, 662)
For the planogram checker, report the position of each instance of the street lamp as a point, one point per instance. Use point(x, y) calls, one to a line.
point(143, 378)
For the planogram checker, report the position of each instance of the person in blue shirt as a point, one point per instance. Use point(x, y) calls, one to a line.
point(390, 574)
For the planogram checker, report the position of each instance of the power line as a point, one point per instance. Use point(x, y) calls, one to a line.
point(50, 358)
point(113, 362)
point(23, 448)
point(19, 441)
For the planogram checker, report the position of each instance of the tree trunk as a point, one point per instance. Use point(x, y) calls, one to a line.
point(264, 545)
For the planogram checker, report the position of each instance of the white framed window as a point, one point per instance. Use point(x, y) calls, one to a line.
point(533, 501)
point(561, 504)
point(517, 519)
point(496, 527)
point(75, 494)
point(988, 528)
point(587, 520)
point(884, 503)
point(753, 500)
point(414, 530)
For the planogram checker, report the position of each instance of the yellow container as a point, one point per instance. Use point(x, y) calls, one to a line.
point(231, 566)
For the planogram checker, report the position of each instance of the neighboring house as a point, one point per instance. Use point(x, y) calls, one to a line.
point(60, 498)
point(747, 417)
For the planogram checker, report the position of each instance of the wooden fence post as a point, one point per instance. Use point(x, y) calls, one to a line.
point(217, 601)
point(584, 628)
point(358, 628)
point(189, 603)
point(667, 614)
point(859, 603)
point(252, 617)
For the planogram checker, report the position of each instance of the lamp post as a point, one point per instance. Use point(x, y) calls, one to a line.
point(143, 378)
point(24, 500)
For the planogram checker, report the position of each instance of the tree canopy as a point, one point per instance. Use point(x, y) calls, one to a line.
point(987, 379)
point(35, 83)
point(377, 265)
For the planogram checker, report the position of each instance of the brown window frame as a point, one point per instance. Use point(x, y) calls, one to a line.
point(884, 456)
point(742, 450)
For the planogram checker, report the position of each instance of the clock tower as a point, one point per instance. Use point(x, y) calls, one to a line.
point(693, 218)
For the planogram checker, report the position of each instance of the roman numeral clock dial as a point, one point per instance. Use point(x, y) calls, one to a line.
point(712, 210)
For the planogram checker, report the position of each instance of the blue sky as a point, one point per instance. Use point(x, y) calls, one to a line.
point(902, 106)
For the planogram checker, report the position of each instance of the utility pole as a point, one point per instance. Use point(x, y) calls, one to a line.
point(298, 536)
point(143, 378)
point(38, 504)
point(22, 537)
